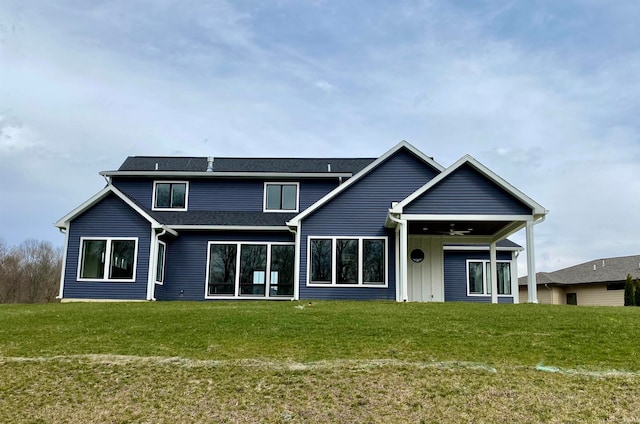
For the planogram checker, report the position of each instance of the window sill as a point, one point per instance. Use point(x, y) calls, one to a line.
point(92, 280)
point(367, 286)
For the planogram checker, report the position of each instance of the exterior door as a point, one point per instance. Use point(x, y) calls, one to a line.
point(424, 269)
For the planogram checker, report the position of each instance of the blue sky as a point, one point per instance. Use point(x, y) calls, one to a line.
point(545, 93)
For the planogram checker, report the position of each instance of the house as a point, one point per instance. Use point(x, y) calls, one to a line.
point(398, 227)
point(597, 282)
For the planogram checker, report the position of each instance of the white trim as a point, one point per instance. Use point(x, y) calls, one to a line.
point(484, 278)
point(494, 273)
point(532, 286)
point(514, 277)
point(214, 174)
point(264, 197)
point(403, 144)
point(88, 300)
point(297, 258)
point(397, 257)
point(186, 195)
point(360, 283)
point(151, 267)
point(476, 248)
point(236, 283)
point(462, 217)
point(93, 200)
point(230, 227)
point(107, 260)
point(537, 209)
point(64, 263)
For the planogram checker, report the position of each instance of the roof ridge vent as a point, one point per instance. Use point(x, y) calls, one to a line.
point(210, 161)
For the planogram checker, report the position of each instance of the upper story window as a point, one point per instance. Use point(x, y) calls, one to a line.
point(281, 197)
point(170, 195)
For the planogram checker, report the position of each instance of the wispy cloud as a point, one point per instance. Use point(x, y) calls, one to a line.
point(545, 94)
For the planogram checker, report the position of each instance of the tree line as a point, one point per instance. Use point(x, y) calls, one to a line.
point(29, 272)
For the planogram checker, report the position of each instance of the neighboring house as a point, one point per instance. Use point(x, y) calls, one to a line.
point(597, 282)
point(398, 227)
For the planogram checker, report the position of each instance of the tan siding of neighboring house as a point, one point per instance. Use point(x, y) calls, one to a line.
point(597, 294)
point(546, 295)
point(587, 295)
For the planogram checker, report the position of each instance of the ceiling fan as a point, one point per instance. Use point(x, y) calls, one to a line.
point(453, 232)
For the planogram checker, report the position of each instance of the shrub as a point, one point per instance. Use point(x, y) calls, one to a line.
point(629, 289)
point(636, 295)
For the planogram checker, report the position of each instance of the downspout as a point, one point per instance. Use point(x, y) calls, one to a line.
point(551, 294)
point(296, 260)
point(64, 231)
point(402, 262)
point(153, 264)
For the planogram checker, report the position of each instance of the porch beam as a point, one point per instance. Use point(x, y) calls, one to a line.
point(508, 230)
point(532, 292)
point(452, 217)
point(494, 272)
point(468, 239)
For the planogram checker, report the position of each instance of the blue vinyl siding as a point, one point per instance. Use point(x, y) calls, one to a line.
point(466, 191)
point(245, 195)
point(455, 276)
point(109, 218)
point(361, 210)
point(139, 189)
point(186, 260)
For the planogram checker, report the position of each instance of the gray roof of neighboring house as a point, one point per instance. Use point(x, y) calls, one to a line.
point(603, 270)
point(276, 165)
point(235, 218)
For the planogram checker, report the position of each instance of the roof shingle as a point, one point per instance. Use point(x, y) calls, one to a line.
point(276, 165)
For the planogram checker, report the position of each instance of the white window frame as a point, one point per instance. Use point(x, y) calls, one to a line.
point(264, 196)
point(485, 280)
point(107, 260)
point(186, 195)
point(236, 283)
point(334, 243)
point(164, 263)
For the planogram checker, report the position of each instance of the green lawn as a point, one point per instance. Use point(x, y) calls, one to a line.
point(319, 362)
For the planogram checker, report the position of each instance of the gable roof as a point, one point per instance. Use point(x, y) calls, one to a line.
point(93, 200)
point(373, 165)
point(538, 210)
point(604, 270)
point(172, 165)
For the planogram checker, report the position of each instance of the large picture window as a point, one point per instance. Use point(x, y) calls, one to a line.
point(107, 259)
point(240, 269)
point(479, 277)
point(281, 197)
point(170, 195)
point(348, 261)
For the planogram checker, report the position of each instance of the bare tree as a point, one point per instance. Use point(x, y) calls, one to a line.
point(30, 272)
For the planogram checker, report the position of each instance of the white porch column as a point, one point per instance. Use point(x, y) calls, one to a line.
point(532, 291)
point(494, 272)
point(404, 244)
